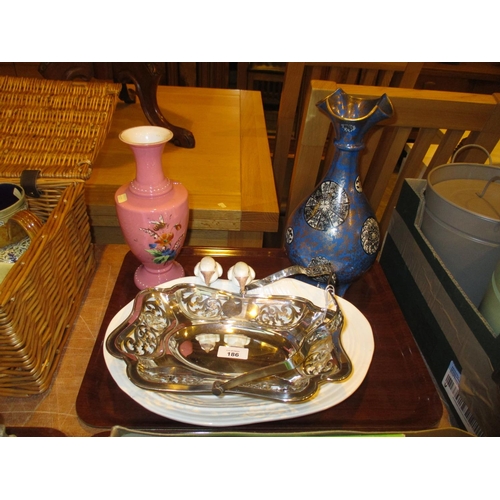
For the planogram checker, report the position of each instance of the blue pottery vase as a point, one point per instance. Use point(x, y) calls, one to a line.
point(336, 224)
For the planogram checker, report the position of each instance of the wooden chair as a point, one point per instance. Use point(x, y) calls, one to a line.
point(437, 120)
point(298, 75)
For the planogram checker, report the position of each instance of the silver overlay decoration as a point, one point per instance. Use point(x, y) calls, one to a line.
point(142, 339)
point(348, 127)
point(327, 207)
point(370, 236)
point(320, 261)
point(357, 185)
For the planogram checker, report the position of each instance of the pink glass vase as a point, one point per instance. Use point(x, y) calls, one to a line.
point(152, 210)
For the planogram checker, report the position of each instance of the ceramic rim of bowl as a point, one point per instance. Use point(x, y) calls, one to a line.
point(18, 202)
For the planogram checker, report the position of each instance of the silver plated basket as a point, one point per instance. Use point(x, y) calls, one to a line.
point(193, 338)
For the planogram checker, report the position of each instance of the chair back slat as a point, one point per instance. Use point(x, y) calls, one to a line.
point(486, 137)
point(310, 146)
point(447, 146)
point(386, 78)
point(413, 167)
point(352, 76)
point(385, 161)
point(366, 157)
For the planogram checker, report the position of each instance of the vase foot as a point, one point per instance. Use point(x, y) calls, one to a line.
point(144, 278)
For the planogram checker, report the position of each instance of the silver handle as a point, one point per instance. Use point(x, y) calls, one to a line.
point(312, 272)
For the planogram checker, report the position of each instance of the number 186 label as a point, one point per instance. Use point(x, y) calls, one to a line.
point(232, 352)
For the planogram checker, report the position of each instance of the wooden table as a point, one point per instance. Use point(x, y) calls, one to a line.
point(397, 394)
point(228, 174)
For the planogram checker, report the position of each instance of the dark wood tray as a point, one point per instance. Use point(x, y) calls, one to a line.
point(398, 393)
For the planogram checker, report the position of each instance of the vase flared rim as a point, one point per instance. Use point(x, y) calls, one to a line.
point(145, 135)
point(381, 104)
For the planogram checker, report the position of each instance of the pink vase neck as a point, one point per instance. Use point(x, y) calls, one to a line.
point(150, 179)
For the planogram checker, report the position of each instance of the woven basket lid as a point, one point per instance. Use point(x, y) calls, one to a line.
point(54, 127)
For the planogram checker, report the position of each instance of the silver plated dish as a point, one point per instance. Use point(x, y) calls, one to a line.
point(193, 338)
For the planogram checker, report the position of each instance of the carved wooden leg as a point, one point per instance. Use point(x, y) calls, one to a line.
point(146, 77)
point(125, 95)
point(67, 71)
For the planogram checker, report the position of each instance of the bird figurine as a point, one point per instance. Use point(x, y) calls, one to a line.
point(208, 270)
point(241, 274)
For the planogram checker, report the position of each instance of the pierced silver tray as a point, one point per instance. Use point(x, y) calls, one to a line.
point(194, 338)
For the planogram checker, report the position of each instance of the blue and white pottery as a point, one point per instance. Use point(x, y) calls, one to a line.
point(336, 224)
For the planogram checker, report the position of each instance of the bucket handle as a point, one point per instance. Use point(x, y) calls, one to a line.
point(471, 146)
point(495, 178)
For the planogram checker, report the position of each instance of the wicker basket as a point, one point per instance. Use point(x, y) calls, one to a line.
point(56, 128)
